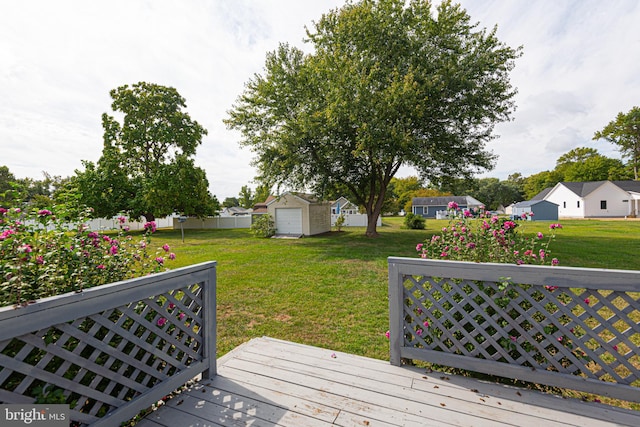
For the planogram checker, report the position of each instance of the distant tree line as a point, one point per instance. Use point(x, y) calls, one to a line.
point(578, 165)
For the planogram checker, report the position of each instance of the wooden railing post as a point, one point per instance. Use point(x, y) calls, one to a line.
point(210, 332)
point(396, 322)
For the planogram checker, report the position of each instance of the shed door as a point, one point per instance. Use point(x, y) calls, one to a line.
point(289, 220)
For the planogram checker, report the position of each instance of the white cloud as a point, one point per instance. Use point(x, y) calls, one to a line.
point(60, 60)
point(579, 69)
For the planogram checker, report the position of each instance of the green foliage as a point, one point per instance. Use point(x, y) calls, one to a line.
point(400, 192)
point(262, 193)
point(7, 181)
point(495, 193)
point(49, 394)
point(579, 154)
point(246, 199)
point(539, 181)
point(624, 131)
point(586, 164)
point(413, 221)
point(147, 160)
point(230, 202)
point(596, 168)
point(42, 255)
point(389, 83)
point(340, 222)
point(263, 226)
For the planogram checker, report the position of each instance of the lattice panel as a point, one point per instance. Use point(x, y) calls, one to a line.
point(589, 333)
point(102, 361)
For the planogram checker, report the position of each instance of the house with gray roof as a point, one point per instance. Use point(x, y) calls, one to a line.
point(429, 206)
point(594, 199)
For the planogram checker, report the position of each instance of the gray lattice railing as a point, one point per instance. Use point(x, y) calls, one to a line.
point(560, 326)
point(113, 350)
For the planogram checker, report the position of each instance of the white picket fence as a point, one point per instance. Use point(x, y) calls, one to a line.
point(354, 220)
point(98, 224)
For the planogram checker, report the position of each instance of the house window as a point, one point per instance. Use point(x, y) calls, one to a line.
point(578, 203)
point(603, 204)
point(625, 201)
point(564, 205)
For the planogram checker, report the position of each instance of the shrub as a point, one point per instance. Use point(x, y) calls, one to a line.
point(413, 221)
point(263, 226)
point(41, 255)
point(487, 238)
point(340, 222)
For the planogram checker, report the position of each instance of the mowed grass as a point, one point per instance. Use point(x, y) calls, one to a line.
point(331, 290)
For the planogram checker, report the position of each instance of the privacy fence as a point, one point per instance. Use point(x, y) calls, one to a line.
point(112, 350)
point(568, 327)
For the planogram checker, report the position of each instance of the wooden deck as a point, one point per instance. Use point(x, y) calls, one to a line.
point(269, 382)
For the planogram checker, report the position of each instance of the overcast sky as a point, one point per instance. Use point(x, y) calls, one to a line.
point(59, 60)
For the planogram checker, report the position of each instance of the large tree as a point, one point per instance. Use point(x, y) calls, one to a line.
point(624, 131)
point(7, 185)
point(389, 83)
point(146, 168)
point(246, 197)
point(495, 193)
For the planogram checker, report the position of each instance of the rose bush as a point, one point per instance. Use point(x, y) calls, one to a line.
point(480, 237)
point(41, 255)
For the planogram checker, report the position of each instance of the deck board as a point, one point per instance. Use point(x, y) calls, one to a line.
point(269, 382)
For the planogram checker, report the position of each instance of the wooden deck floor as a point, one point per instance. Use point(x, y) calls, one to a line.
point(268, 382)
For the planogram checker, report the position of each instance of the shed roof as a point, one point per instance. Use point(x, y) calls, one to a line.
point(307, 198)
point(529, 203)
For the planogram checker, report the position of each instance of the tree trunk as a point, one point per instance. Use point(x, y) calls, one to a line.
point(372, 220)
point(149, 217)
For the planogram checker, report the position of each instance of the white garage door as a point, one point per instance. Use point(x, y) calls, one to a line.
point(289, 220)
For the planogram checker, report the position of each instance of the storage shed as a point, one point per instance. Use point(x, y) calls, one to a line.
point(543, 210)
point(299, 214)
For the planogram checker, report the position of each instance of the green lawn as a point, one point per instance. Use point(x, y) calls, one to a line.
point(331, 290)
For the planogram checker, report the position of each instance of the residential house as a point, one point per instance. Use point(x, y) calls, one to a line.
point(350, 212)
point(429, 206)
point(594, 199)
point(343, 206)
point(261, 207)
point(234, 211)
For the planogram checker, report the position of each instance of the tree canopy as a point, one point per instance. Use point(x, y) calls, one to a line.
point(7, 182)
point(624, 131)
point(147, 168)
point(389, 83)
